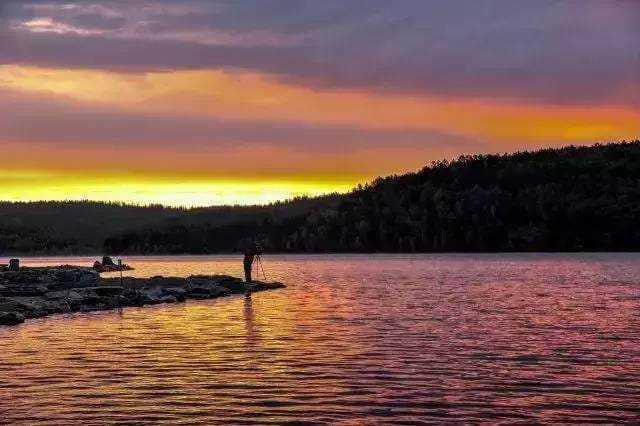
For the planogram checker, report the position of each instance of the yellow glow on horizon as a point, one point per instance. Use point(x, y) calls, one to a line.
point(31, 186)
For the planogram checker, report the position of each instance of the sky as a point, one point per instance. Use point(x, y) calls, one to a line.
point(197, 103)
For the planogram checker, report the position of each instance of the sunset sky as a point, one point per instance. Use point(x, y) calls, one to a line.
point(224, 102)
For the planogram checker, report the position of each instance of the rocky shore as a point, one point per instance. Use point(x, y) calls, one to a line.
point(38, 292)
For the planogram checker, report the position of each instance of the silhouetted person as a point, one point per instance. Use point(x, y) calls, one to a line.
point(250, 254)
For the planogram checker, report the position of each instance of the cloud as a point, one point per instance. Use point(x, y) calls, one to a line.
point(43, 118)
point(250, 98)
point(48, 133)
point(582, 52)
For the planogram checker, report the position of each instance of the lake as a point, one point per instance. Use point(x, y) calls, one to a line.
point(354, 339)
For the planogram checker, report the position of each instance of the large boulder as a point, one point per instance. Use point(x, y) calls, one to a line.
point(11, 318)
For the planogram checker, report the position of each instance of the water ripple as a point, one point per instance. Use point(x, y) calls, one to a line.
point(422, 339)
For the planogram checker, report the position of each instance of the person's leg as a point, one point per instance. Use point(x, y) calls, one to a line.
point(247, 273)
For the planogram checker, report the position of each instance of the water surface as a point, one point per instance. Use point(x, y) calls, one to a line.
point(353, 339)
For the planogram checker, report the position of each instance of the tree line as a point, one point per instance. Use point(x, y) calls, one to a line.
point(88, 227)
point(567, 199)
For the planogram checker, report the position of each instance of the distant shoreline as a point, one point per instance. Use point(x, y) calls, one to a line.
point(377, 253)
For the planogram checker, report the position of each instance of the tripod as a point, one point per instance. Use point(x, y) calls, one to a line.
point(261, 267)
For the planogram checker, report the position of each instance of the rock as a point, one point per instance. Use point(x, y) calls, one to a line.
point(65, 276)
point(200, 281)
point(75, 278)
point(69, 300)
point(221, 280)
point(150, 300)
point(151, 295)
point(237, 287)
point(131, 298)
point(9, 305)
point(209, 286)
point(107, 265)
point(28, 294)
point(87, 279)
point(111, 291)
point(97, 266)
point(11, 318)
point(179, 293)
point(207, 292)
point(261, 286)
point(26, 306)
point(168, 281)
point(26, 290)
point(21, 277)
point(168, 299)
point(14, 264)
point(55, 307)
point(87, 296)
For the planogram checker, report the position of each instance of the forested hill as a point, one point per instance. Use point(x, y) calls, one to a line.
point(53, 227)
point(569, 199)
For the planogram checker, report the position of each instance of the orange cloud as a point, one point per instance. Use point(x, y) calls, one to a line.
point(249, 96)
point(269, 171)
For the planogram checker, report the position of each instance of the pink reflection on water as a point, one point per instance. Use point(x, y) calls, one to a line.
point(353, 339)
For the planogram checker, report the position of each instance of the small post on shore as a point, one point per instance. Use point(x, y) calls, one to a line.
point(120, 268)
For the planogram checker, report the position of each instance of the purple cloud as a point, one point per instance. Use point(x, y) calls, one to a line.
point(575, 51)
point(45, 119)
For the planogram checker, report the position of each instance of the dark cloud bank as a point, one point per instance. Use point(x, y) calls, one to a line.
point(574, 51)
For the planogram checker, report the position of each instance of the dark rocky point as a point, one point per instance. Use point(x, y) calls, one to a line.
point(38, 292)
